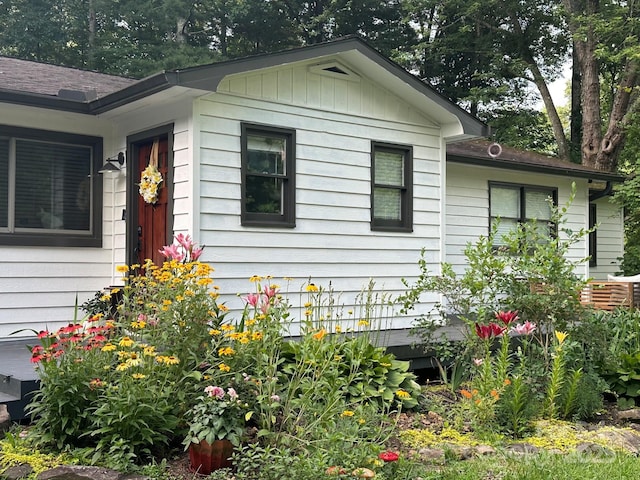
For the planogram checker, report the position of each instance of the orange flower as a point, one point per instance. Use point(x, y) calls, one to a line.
point(507, 381)
point(466, 393)
point(320, 334)
point(494, 394)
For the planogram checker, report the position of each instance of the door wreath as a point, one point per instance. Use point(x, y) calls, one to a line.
point(151, 178)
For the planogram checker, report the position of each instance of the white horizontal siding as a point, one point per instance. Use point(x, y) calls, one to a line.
point(332, 242)
point(467, 207)
point(610, 239)
point(39, 285)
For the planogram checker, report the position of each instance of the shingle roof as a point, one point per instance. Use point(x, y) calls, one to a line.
point(484, 152)
point(45, 79)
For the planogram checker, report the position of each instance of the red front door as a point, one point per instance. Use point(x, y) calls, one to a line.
point(151, 228)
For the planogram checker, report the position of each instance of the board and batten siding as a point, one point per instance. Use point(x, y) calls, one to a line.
point(332, 244)
point(609, 239)
point(467, 207)
point(39, 285)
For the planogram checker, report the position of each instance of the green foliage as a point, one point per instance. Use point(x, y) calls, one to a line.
point(120, 388)
point(524, 270)
point(522, 128)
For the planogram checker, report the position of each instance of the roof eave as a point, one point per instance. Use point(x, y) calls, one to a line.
point(43, 101)
point(528, 167)
point(208, 77)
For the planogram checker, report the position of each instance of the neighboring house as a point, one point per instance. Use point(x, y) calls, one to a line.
point(326, 164)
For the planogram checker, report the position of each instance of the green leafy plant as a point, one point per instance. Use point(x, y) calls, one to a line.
point(217, 415)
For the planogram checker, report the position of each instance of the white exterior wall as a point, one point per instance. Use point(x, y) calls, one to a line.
point(38, 285)
point(332, 242)
point(609, 239)
point(467, 207)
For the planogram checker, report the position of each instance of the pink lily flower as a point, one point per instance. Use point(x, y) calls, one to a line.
point(252, 299)
point(526, 328)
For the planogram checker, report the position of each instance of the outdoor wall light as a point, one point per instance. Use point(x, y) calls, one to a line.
point(113, 164)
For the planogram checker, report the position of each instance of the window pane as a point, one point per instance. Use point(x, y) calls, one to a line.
point(505, 227)
point(53, 186)
point(505, 202)
point(536, 205)
point(387, 204)
point(264, 194)
point(4, 182)
point(389, 168)
point(266, 155)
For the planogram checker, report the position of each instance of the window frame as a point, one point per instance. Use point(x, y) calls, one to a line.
point(405, 224)
point(593, 234)
point(62, 239)
point(287, 218)
point(523, 189)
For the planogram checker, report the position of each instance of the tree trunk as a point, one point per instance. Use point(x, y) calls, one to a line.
point(181, 36)
point(590, 100)
point(554, 118)
point(91, 48)
point(576, 110)
point(614, 137)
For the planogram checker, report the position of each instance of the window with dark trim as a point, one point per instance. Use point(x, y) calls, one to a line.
point(593, 239)
point(515, 204)
point(268, 176)
point(50, 192)
point(391, 187)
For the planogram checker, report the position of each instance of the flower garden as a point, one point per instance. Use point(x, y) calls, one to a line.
point(171, 367)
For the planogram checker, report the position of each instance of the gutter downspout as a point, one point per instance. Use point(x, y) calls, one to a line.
point(603, 193)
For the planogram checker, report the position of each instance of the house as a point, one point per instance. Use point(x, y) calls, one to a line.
point(327, 162)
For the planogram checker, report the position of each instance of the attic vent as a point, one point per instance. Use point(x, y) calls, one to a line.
point(336, 70)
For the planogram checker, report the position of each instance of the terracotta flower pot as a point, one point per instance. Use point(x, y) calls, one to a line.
point(205, 457)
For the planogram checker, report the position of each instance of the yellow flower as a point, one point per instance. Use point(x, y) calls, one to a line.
point(363, 323)
point(338, 329)
point(311, 288)
point(223, 308)
point(150, 351)
point(320, 334)
point(105, 298)
point(122, 268)
point(255, 336)
point(224, 368)
point(138, 376)
point(402, 394)
point(560, 336)
point(172, 360)
point(169, 360)
point(307, 304)
point(308, 313)
point(214, 332)
point(347, 413)
point(167, 302)
point(226, 352)
point(121, 367)
point(138, 324)
point(255, 278)
point(125, 342)
point(349, 312)
point(251, 322)
point(362, 421)
point(109, 347)
point(227, 327)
